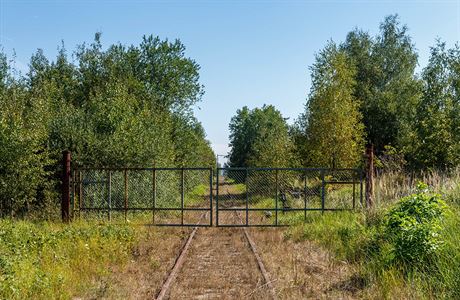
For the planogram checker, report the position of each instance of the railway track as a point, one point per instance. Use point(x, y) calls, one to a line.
point(218, 263)
point(178, 263)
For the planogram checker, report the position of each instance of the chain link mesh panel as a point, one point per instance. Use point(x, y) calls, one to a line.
point(162, 196)
point(245, 196)
point(271, 196)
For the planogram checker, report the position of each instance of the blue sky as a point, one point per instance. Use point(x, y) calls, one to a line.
point(250, 52)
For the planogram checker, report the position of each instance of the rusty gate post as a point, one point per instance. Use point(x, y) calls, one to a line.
point(370, 176)
point(65, 201)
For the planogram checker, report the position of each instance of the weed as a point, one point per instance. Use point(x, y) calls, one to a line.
point(405, 248)
point(55, 261)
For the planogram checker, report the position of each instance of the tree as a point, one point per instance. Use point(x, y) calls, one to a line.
point(386, 85)
point(259, 138)
point(241, 139)
point(330, 130)
point(24, 160)
point(437, 135)
point(124, 106)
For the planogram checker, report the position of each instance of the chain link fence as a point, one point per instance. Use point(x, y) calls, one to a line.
point(160, 196)
point(273, 196)
point(184, 196)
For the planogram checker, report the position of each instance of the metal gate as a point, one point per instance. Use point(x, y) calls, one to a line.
point(184, 196)
point(159, 196)
point(274, 196)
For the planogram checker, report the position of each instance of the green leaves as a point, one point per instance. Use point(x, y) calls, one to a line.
point(330, 132)
point(23, 155)
point(392, 106)
point(413, 227)
point(259, 138)
point(386, 86)
point(124, 106)
point(437, 133)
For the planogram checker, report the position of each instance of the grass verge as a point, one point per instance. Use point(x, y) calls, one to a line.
point(56, 261)
point(357, 238)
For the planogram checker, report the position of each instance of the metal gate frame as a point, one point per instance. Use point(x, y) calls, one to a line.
point(77, 182)
point(355, 180)
point(77, 191)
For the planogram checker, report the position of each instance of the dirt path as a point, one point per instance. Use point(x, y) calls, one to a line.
point(143, 275)
point(220, 265)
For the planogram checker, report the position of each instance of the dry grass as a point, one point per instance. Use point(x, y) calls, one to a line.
point(220, 265)
point(303, 270)
point(392, 186)
point(144, 274)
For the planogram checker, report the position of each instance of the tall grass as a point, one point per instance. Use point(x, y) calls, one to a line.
point(55, 261)
point(356, 238)
point(391, 186)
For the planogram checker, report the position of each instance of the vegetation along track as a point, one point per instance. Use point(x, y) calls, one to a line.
point(220, 263)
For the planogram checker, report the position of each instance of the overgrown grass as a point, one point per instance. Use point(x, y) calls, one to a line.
point(56, 261)
point(198, 196)
point(357, 237)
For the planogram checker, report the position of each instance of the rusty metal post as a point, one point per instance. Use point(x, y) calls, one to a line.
point(126, 194)
point(65, 202)
point(370, 176)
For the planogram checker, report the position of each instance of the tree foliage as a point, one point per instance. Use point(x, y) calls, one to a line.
point(259, 138)
point(417, 117)
point(23, 153)
point(437, 124)
point(123, 106)
point(386, 85)
point(330, 132)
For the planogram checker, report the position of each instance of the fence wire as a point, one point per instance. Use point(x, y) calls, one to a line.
point(173, 196)
point(273, 196)
point(183, 196)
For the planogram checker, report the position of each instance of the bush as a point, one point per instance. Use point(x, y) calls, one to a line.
point(407, 252)
point(413, 226)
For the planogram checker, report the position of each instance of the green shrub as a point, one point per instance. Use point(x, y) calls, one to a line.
point(409, 251)
point(413, 226)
